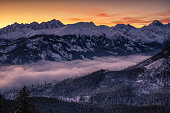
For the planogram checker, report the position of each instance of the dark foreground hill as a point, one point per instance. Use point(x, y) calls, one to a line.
point(46, 105)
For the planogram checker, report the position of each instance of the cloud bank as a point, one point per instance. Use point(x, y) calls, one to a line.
point(14, 76)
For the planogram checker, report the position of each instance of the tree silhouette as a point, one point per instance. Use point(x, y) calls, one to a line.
point(1, 110)
point(23, 104)
point(3, 107)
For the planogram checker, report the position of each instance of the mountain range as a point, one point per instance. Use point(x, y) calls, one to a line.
point(54, 41)
point(141, 88)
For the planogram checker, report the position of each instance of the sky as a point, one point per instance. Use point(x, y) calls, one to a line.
point(102, 12)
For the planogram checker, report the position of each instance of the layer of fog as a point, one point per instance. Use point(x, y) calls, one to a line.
point(14, 76)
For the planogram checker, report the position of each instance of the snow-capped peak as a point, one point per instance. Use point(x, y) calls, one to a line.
point(51, 24)
point(17, 30)
point(81, 28)
point(155, 32)
point(157, 23)
point(81, 25)
point(120, 26)
point(34, 26)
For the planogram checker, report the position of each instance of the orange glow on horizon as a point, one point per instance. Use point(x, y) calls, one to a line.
point(69, 12)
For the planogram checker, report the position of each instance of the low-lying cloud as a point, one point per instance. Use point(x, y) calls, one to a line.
point(14, 76)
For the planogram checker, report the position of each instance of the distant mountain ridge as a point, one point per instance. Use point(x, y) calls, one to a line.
point(34, 25)
point(81, 28)
point(54, 41)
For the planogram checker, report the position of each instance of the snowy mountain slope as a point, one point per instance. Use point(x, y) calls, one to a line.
point(133, 87)
point(156, 31)
point(65, 48)
point(144, 85)
point(153, 80)
point(155, 77)
point(53, 41)
point(82, 28)
point(16, 30)
point(161, 55)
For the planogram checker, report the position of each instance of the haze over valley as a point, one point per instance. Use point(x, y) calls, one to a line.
point(15, 76)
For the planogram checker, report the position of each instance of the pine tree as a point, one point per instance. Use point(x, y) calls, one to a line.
point(1, 103)
point(3, 109)
point(50, 111)
point(23, 104)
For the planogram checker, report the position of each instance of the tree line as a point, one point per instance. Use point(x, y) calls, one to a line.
point(22, 103)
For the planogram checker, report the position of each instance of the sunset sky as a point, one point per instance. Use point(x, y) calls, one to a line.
point(135, 12)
